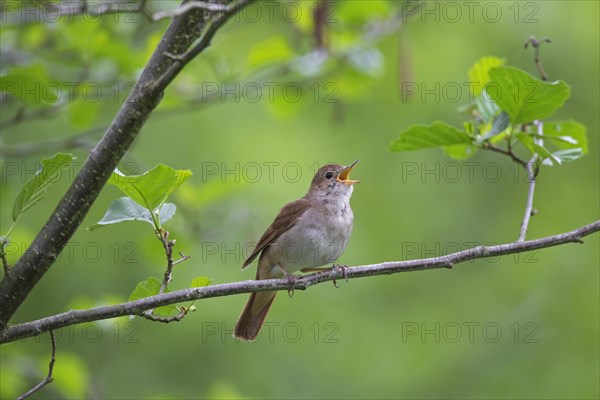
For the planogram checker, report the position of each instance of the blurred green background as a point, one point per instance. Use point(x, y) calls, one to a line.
point(522, 326)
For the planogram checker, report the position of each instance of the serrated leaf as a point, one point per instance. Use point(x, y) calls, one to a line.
point(523, 97)
point(152, 188)
point(438, 134)
point(125, 209)
point(479, 73)
point(151, 287)
point(35, 189)
point(200, 281)
point(567, 135)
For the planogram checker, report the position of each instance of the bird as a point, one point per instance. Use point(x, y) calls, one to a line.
point(306, 234)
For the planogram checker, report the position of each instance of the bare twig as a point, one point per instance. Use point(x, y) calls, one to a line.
point(168, 245)
point(48, 379)
point(509, 152)
point(532, 169)
point(137, 307)
point(536, 44)
point(174, 318)
point(529, 204)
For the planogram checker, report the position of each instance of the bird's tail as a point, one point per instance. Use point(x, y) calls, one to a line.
point(252, 318)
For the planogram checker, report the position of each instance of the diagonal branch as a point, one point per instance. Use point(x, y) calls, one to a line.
point(531, 177)
point(137, 307)
point(49, 378)
point(103, 158)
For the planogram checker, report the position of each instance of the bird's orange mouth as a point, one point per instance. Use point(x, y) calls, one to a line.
point(345, 174)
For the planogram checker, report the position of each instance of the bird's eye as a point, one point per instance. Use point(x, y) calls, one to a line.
point(329, 175)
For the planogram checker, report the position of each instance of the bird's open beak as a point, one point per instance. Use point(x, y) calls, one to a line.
point(345, 174)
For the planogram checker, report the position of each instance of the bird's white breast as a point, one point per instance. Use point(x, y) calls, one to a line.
point(319, 237)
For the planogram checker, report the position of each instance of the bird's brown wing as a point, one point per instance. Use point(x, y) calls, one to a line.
point(286, 218)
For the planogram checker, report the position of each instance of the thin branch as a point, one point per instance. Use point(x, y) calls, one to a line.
point(48, 379)
point(532, 169)
point(137, 307)
point(536, 44)
point(168, 245)
point(529, 204)
point(509, 152)
point(175, 318)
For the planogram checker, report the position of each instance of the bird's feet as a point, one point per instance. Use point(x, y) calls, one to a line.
point(291, 278)
point(292, 281)
point(344, 269)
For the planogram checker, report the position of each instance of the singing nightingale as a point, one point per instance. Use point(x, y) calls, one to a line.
point(306, 234)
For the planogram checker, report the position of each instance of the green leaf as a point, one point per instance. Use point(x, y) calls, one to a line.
point(523, 97)
point(125, 209)
point(479, 73)
point(460, 151)
point(152, 188)
point(147, 288)
point(487, 108)
point(35, 189)
point(150, 287)
point(438, 134)
point(200, 281)
point(568, 155)
point(535, 148)
point(545, 155)
point(499, 124)
point(567, 135)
